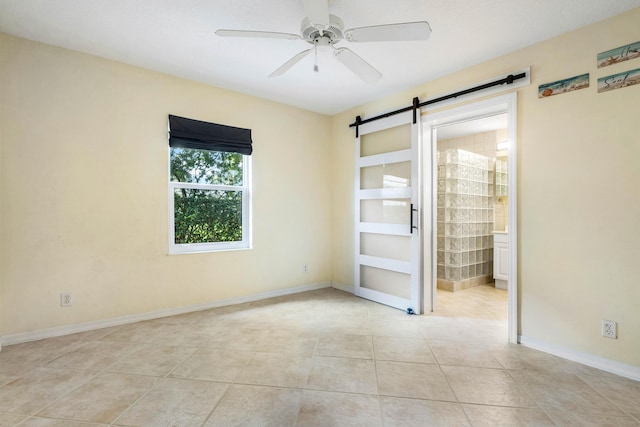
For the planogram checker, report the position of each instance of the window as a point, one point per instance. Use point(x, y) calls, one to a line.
point(209, 191)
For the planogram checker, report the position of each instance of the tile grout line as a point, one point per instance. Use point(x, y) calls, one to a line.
point(524, 389)
point(604, 396)
point(229, 386)
point(97, 373)
point(375, 367)
point(105, 371)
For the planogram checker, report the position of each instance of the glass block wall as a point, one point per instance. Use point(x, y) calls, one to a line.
point(465, 215)
point(501, 177)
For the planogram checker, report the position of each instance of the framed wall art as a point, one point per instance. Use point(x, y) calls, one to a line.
point(618, 81)
point(563, 86)
point(619, 54)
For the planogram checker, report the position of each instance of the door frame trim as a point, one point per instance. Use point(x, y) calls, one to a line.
point(496, 105)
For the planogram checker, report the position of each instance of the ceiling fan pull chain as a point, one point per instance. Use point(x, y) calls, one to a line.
point(315, 62)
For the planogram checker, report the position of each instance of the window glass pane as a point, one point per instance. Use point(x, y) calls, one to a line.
point(207, 216)
point(392, 139)
point(206, 167)
point(393, 175)
point(386, 246)
point(395, 211)
point(386, 281)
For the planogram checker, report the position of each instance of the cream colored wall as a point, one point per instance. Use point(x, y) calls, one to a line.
point(84, 191)
point(578, 157)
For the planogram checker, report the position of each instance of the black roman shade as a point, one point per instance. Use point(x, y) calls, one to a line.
point(189, 133)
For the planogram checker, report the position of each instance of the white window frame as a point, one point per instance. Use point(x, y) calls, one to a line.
point(245, 243)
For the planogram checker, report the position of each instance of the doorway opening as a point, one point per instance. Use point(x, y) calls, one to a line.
point(470, 152)
point(471, 210)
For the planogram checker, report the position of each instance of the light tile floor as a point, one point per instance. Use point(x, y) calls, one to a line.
point(321, 358)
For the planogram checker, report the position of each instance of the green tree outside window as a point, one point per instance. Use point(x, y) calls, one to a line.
point(207, 215)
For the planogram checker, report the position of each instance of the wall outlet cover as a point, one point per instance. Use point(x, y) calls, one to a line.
point(609, 329)
point(65, 299)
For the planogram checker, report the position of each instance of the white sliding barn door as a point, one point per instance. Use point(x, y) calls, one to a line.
point(387, 232)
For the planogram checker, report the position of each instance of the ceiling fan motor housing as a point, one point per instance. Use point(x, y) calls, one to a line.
point(334, 31)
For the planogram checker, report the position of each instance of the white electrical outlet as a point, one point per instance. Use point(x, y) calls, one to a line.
point(305, 268)
point(65, 299)
point(609, 329)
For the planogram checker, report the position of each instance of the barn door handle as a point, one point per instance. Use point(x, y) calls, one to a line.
point(411, 226)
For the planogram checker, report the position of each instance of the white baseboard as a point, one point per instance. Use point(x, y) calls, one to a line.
point(622, 369)
point(123, 320)
point(342, 287)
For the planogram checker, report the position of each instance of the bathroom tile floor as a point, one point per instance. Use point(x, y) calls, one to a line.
point(319, 358)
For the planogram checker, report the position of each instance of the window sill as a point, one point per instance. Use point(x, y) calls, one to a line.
point(203, 250)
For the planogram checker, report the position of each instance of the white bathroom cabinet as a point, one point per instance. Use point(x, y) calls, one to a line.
point(501, 259)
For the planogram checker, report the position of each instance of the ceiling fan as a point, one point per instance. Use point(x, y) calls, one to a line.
point(323, 31)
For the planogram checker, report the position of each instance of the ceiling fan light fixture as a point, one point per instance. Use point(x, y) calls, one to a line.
point(323, 44)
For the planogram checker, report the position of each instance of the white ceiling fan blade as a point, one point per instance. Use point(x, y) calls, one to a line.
point(290, 63)
point(259, 34)
point(407, 31)
point(359, 66)
point(317, 11)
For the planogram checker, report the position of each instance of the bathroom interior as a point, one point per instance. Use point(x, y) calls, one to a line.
point(472, 204)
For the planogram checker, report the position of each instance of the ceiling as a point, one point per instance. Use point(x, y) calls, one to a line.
point(177, 38)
